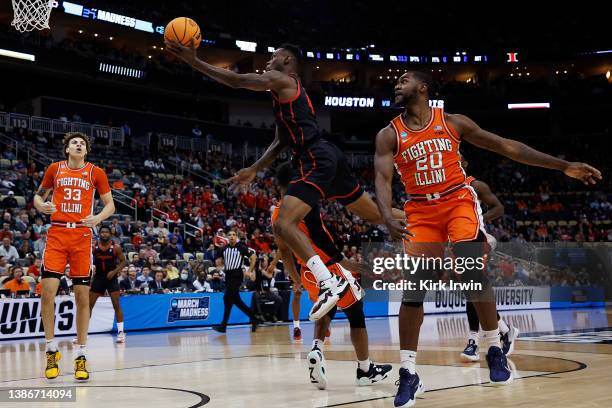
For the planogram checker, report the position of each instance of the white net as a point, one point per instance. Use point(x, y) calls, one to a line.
point(31, 14)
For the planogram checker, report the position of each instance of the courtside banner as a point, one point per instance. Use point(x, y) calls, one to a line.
point(506, 298)
point(141, 312)
point(21, 318)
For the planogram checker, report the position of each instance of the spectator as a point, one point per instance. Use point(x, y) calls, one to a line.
point(149, 164)
point(201, 284)
point(25, 250)
point(40, 243)
point(170, 251)
point(23, 223)
point(17, 283)
point(34, 269)
point(131, 283)
point(137, 262)
point(6, 231)
point(171, 271)
point(4, 267)
point(183, 282)
point(161, 229)
point(144, 278)
point(149, 252)
point(216, 283)
point(158, 285)
point(9, 251)
point(9, 201)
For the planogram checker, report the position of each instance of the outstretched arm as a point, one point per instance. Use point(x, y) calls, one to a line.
point(383, 165)
point(520, 152)
point(495, 208)
point(269, 80)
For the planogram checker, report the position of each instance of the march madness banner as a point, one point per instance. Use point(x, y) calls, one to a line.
point(21, 318)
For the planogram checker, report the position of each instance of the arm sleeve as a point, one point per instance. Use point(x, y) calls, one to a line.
point(49, 177)
point(100, 180)
point(320, 236)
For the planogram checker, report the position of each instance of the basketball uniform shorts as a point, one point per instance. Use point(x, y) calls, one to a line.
point(69, 246)
point(101, 284)
point(352, 296)
point(322, 172)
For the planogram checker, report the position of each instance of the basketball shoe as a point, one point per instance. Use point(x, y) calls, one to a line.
point(375, 373)
point(80, 369)
point(316, 367)
point(52, 370)
point(507, 340)
point(499, 372)
point(470, 352)
point(297, 333)
point(408, 387)
point(330, 291)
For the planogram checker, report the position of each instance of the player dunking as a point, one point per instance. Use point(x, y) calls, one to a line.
point(109, 261)
point(423, 144)
point(319, 238)
point(74, 183)
point(323, 168)
point(508, 334)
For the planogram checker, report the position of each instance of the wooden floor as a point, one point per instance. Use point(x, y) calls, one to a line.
point(564, 359)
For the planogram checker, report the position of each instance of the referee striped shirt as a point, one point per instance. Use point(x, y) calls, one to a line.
point(233, 256)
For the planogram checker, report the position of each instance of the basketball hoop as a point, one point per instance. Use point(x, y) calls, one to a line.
point(31, 14)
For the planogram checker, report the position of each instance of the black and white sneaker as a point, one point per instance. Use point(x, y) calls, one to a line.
point(376, 373)
point(316, 367)
point(508, 340)
point(330, 291)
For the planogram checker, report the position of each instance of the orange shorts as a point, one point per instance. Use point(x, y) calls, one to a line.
point(453, 218)
point(353, 295)
point(69, 246)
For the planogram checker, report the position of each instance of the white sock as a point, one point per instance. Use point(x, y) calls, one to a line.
point(490, 338)
point(296, 324)
point(503, 327)
point(51, 345)
point(317, 343)
point(364, 365)
point(80, 350)
point(408, 360)
point(473, 336)
point(318, 268)
point(119, 327)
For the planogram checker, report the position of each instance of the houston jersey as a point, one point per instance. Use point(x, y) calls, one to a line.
point(74, 190)
point(428, 160)
point(105, 259)
point(295, 120)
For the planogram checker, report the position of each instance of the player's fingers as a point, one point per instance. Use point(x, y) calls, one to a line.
point(594, 171)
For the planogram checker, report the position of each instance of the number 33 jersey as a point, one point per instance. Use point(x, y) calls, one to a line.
point(74, 189)
point(428, 160)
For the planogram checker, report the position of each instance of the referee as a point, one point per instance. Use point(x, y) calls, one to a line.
point(233, 258)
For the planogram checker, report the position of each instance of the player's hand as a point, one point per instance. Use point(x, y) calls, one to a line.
point(187, 54)
point(270, 269)
point(398, 229)
point(583, 172)
point(243, 177)
point(47, 208)
point(91, 221)
point(110, 275)
point(357, 267)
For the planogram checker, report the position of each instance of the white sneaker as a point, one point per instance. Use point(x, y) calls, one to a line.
point(316, 367)
point(470, 352)
point(508, 340)
point(75, 341)
point(121, 337)
point(330, 291)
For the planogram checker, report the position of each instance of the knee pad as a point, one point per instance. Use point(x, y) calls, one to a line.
point(355, 315)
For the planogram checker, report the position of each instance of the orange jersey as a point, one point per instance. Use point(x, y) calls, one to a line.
point(74, 190)
point(428, 160)
point(302, 226)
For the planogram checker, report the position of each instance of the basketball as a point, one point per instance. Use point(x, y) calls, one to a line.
point(182, 30)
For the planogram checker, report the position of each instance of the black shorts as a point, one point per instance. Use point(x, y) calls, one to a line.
point(101, 285)
point(322, 172)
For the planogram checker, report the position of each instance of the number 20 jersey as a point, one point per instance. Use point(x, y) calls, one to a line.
point(428, 160)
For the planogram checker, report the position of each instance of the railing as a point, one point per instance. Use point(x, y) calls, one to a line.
point(189, 228)
point(97, 133)
point(126, 201)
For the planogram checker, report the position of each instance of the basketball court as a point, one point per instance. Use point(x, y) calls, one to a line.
point(563, 357)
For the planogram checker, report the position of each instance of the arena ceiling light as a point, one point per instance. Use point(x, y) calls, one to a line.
point(17, 55)
point(246, 45)
point(543, 105)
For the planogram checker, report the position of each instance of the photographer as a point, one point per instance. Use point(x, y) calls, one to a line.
point(264, 290)
point(201, 284)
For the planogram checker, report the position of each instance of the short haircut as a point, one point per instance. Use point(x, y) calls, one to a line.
point(104, 227)
point(283, 174)
point(294, 50)
point(73, 135)
point(425, 78)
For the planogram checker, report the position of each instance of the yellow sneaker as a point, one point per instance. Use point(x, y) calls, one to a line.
point(52, 369)
point(80, 369)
